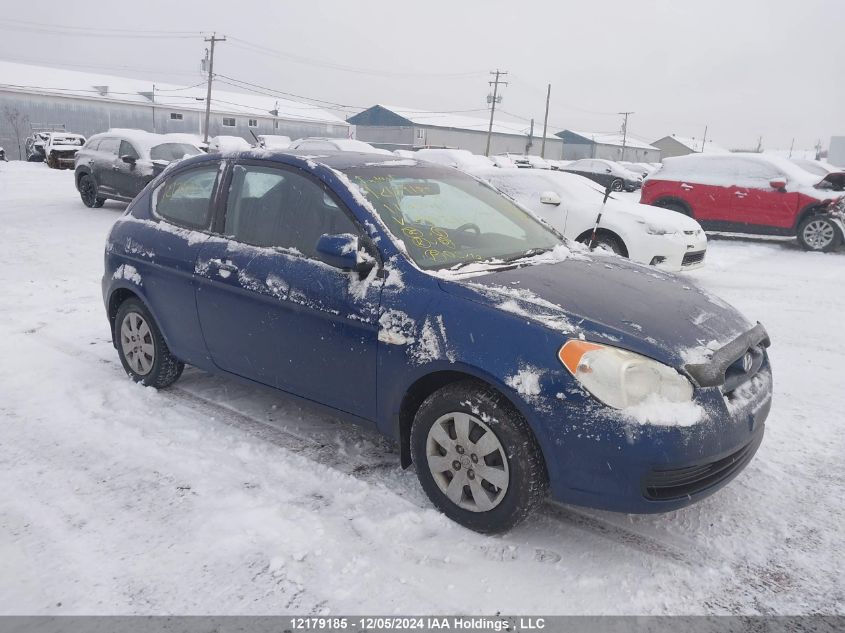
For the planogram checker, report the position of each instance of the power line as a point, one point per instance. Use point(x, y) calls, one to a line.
point(60, 29)
point(241, 43)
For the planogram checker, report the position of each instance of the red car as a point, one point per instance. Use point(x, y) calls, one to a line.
point(752, 193)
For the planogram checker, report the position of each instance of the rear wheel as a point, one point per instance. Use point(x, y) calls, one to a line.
point(141, 347)
point(476, 457)
point(671, 205)
point(88, 192)
point(819, 233)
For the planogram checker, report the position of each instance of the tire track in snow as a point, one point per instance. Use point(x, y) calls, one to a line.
point(379, 471)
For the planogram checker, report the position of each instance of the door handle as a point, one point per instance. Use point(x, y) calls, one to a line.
point(686, 187)
point(224, 268)
point(740, 194)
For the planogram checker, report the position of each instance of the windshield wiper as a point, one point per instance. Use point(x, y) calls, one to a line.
point(531, 252)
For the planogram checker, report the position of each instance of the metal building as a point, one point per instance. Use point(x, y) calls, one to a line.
point(682, 145)
point(392, 128)
point(608, 146)
point(86, 103)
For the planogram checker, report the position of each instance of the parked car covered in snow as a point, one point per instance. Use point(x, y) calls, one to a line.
point(417, 300)
point(321, 144)
point(606, 173)
point(224, 143)
point(119, 163)
point(273, 141)
point(458, 158)
point(572, 203)
point(34, 146)
point(60, 149)
point(751, 193)
point(3, 154)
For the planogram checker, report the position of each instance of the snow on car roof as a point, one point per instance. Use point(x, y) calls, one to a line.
point(725, 169)
point(141, 140)
point(17, 77)
point(461, 122)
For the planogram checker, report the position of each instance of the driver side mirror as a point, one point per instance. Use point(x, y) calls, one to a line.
point(777, 183)
point(129, 160)
point(550, 197)
point(344, 251)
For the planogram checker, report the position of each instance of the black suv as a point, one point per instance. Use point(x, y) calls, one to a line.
point(118, 164)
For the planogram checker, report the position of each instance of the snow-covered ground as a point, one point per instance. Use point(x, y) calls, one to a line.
point(217, 498)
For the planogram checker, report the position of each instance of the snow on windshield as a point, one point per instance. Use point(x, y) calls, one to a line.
point(444, 217)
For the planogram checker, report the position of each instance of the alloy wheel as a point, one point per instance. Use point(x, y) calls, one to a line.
point(818, 234)
point(136, 342)
point(467, 461)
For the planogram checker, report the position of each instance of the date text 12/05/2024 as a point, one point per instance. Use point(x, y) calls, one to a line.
point(421, 623)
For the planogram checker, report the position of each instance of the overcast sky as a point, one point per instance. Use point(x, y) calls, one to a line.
point(745, 68)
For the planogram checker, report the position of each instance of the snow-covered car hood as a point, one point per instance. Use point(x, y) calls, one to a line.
point(612, 300)
point(651, 215)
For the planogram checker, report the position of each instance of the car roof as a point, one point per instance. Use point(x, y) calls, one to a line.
point(333, 159)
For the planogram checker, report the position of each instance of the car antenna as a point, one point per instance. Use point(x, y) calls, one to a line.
point(607, 191)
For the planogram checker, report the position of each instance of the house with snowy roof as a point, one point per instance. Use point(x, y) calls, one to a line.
point(394, 127)
point(87, 103)
point(607, 145)
point(675, 145)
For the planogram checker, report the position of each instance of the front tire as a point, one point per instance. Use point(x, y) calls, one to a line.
point(617, 185)
point(819, 233)
point(476, 458)
point(141, 347)
point(88, 192)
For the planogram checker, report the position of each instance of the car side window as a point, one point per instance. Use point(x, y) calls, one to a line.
point(126, 149)
point(281, 208)
point(185, 198)
point(93, 145)
point(109, 145)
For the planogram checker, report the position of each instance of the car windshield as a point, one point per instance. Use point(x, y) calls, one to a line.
point(445, 217)
point(172, 151)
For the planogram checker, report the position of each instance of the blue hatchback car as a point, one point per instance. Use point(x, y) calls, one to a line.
point(416, 300)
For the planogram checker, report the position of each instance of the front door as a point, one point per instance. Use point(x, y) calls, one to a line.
point(127, 181)
point(273, 313)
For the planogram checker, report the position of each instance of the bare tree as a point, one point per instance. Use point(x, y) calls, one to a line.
point(18, 124)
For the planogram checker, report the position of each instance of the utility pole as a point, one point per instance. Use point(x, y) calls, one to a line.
point(759, 145)
point(624, 132)
point(530, 142)
point(154, 108)
point(704, 139)
point(545, 123)
point(211, 39)
point(791, 146)
point(819, 149)
point(496, 98)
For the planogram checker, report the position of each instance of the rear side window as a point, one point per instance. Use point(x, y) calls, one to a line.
point(109, 145)
point(185, 198)
point(93, 144)
point(280, 208)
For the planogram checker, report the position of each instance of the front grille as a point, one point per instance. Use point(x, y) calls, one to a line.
point(678, 483)
point(693, 258)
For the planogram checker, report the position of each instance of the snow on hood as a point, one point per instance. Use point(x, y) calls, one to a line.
point(611, 300)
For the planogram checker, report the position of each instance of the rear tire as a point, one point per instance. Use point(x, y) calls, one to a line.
point(141, 347)
point(469, 434)
point(671, 205)
point(818, 233)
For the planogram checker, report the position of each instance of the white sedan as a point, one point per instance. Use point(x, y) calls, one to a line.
point(571, 203)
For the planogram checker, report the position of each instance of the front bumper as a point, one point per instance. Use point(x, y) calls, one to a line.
point(601, 460)
point(674, 252)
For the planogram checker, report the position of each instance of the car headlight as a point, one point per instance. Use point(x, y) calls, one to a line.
point(620, 378)
point(656, 229)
